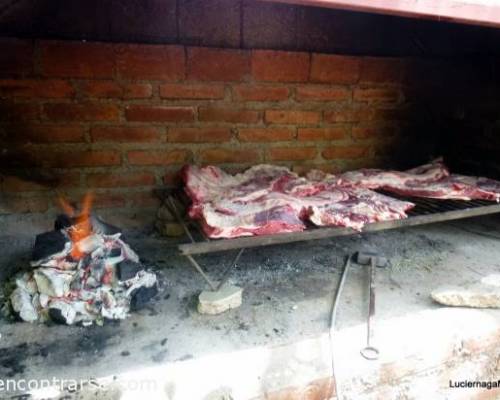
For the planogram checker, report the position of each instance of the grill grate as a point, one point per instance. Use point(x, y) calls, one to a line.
point(425, 206)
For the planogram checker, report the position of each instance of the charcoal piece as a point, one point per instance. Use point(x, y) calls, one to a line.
point(103, 228)
point(127, 270)
point(62, 313)
point(56, 315)
point(141, 297)
point(62, 222)
point(49, 244)
point(115, 256)
point(115, 252)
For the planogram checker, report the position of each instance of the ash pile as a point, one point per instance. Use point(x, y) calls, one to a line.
point(82, 272)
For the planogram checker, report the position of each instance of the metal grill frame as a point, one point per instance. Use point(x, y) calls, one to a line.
point(426, 211)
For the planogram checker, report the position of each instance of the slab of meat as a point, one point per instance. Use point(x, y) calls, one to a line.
point(453, 187)
point(210, 183)
point(268, 199)
point(377, 178)
point(360, 207)
point(431, 180)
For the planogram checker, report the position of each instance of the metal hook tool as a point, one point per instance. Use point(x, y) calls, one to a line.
point(375, 260)
point(370, 352)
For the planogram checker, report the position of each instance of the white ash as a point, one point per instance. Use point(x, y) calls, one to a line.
point(68, 290)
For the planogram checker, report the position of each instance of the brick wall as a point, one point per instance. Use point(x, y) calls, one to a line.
point(121, 119)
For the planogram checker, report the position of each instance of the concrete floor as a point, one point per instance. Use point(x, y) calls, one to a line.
point(278, 338)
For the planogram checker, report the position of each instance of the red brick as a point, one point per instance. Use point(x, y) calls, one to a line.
point(61, 180)
point(158, 157)
point(265, 135)
point(292, 117)
point(144, 199)
point(81, 111)
point(198, 135)
point(85, 158)
point(67, 180)
point(159, 113)
point(35, 133)
point(34, 88)
point(377, 69)
point(204, 64)
point(179, 91)
point(292, 153)
point(260, 93)
point(233, 115)
point(23, 204)
point(334, 69)
point(137, 91)
point(371, 131)
point(105, 200)
point(377, 94)
point(141, 61)
point(101, 89)
point(322, 93)
point(112, 89)
point(345, 152)
point(219, 156)
point(19, 111)
point(322, 134)
point(280, 66)
point(302, 169)
point(349, 115)
point(76, 59)
point(172, 178)
point(124, 134)
point(130, 179)
point(16, 57)
point(16, 184)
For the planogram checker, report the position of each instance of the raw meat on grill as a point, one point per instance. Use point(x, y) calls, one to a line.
point(377, 178)
point(431, 180)
point(453, 187)
point(274, 212)
point(210, 183)
point(267, 199)
point(361, 207)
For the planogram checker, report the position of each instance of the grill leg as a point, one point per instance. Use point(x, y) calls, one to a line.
point(225, 275)
point(202, 273)
point(227, 272)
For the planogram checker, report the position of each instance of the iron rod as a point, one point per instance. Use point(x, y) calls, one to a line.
point(200, 270)
point(227, 272)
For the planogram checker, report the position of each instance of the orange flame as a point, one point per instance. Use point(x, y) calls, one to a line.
point(81, 227)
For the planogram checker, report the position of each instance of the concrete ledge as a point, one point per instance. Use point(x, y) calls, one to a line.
point(420, 354)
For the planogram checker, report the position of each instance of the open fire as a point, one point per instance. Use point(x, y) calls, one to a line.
point(82, 271)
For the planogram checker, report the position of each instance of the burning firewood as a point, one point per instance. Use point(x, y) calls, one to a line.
point(82, 272)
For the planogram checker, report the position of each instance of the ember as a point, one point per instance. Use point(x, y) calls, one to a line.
point(77, 275)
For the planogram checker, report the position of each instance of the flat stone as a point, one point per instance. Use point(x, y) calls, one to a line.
point(216, 302)
point(476, 296)
point(165, 214)
point(170, 229)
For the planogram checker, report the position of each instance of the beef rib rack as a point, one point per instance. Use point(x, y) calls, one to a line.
point(268, 199)
point(431, 180)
